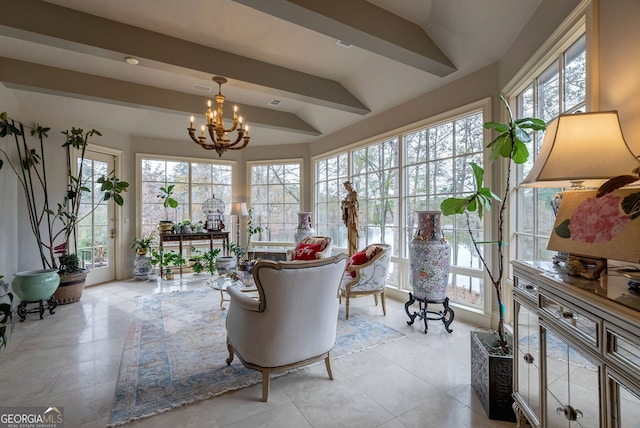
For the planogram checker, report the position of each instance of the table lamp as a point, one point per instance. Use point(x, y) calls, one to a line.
point(238, 209)
point(579, 151)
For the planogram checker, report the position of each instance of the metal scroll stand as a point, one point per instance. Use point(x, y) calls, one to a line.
point(445, 316)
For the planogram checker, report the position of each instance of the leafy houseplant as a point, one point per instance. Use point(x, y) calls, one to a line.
point(251, 229)
point(54, 225)
point(510, 145)
point(143, 244)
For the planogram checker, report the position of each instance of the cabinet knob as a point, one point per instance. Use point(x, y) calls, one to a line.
point(569, 413)
point(528, 358)
point(528, 287)
point(567, 315)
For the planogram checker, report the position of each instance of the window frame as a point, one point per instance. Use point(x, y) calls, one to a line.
point(250, 202)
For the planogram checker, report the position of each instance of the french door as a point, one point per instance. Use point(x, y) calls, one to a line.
point(96, 229)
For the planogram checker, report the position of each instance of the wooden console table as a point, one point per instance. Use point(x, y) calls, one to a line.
point(197, 236)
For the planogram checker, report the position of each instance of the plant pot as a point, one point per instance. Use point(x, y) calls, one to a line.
point(153, 275)
point(226, 264)
point(165, 227)
point(492, 377)
point(35, 285)
point(141, 267)
point(169, 275)
point(71, 287)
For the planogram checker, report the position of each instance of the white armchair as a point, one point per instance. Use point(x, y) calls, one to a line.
point(322, 248)
point(369, 277)
point(293, 323)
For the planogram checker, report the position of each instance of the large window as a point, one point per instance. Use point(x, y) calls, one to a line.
point(374, 175)
point(396, 176)
point(275, 199)
point(559, 88)
point(437, 167)
point(193, 181)
point(330, 175)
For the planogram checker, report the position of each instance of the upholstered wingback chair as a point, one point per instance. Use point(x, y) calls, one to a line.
point(292, 323)
point(310, 248)
point(366, 274)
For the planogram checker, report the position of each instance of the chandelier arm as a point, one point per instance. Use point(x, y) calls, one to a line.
point(246, 141)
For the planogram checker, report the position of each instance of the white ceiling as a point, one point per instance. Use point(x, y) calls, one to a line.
point(470, 33)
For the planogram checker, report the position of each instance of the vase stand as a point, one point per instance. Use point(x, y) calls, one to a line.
point(22, 310)
point(425, 314)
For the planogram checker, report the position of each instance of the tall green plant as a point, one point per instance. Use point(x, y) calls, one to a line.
point(52, 223)
point(510, 144)
point(168, 201)
point(251, 228)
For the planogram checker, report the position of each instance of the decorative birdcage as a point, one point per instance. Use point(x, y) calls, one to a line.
point(213, 208)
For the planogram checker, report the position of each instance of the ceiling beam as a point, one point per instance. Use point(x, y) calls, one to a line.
point(53, 25)
point(361, 23)
point(40, 78)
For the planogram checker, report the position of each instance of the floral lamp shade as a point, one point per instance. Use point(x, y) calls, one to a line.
point(607, 227)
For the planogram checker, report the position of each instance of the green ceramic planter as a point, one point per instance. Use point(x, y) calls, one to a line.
point(35, 285)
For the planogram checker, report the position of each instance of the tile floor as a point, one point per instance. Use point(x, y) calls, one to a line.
point(72, 358)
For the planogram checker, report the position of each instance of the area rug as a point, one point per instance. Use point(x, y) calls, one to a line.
point(175, 353)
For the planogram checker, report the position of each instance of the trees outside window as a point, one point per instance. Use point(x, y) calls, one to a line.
point(275, 199)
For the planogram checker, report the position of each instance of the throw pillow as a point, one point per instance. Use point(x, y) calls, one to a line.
point(306, 251)
point(358, 258)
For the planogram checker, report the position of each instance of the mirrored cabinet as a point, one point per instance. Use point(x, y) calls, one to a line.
point(577, 349)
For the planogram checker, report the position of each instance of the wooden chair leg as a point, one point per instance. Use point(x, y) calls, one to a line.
point(266, 377)
point(327, 362)
point(230, 358)
point(347, 306)
point(384, 305)
point(375, 298)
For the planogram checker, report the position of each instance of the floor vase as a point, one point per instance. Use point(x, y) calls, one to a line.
point(430, 259)
point(304, 229)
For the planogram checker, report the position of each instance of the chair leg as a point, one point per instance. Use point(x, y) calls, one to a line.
point(384, 305)
point(230, 358)
point(375, 298)
point(327, 362)
point(347, 306)
point(266, 377)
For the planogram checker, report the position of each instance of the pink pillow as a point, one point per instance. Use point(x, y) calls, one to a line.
point(306, 251)
point(358, 258)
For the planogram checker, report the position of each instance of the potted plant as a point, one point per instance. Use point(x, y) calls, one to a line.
point(251, 228)
point(168, 201)
point(143, 244)
point(510, 145)
point(196, 258)
point(209, 260)
point(54, 224)
point(6, 312)
point(154, 261)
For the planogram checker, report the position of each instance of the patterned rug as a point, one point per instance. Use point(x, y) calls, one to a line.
point(175, 353)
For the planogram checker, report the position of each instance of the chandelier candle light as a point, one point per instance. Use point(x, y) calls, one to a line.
point(217, 132)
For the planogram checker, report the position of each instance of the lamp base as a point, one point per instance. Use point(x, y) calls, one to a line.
point(585, 267)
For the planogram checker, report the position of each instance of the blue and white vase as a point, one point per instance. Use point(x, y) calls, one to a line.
point(429, 258)
point(304, 229)
point(141, 267)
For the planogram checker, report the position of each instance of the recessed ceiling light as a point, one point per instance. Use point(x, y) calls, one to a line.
point(131, 60)
point(343, 44)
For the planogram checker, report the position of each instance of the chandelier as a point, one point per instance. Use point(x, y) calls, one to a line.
point(218, 134)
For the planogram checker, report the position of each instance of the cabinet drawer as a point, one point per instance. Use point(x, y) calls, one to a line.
point(623, 349)
point(575, 320)
point(528, 288)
